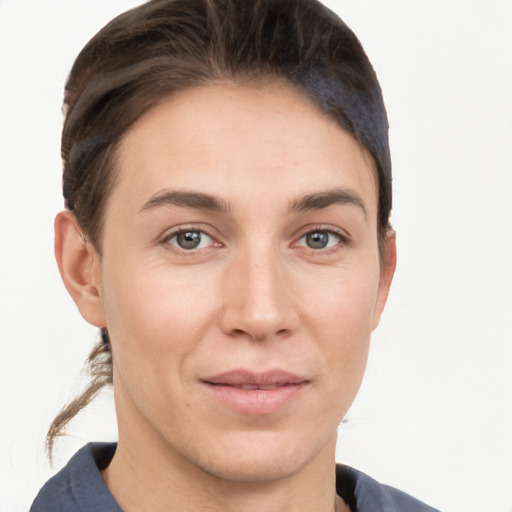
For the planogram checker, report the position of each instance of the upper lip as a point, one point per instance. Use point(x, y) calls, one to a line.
point(251, 379)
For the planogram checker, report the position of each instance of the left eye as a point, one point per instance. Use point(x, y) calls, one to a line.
point(320, 239)
point(190, 239)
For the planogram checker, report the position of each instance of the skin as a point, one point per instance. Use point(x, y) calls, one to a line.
point(254, 295)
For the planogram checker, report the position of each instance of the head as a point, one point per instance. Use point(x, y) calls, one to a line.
point(207, 85)
point(151, 52)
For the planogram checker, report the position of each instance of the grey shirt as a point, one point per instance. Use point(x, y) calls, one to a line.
point(79, 487)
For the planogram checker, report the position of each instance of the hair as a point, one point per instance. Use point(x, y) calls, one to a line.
point(146, 54)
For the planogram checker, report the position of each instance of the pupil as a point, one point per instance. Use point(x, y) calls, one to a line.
point(189, 239)
point(317, 240)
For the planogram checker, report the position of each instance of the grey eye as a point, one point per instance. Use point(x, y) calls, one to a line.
point(319, 239)
point(190, 240)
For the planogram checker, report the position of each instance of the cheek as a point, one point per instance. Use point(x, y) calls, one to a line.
point(156, 317)
point(342, 319)
point(343, 303)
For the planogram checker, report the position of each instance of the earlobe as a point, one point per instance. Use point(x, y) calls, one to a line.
point(387, 273)
point(79, 266)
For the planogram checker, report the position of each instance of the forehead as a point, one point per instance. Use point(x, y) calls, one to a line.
point(239, 142)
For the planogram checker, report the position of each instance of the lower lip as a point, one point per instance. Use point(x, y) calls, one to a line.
point(256, 401)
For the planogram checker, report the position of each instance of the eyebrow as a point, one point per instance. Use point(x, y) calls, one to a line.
point(321, 200)
point(196, 200)
point(202, 201)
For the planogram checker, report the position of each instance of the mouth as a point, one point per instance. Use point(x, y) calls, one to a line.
point(252, 386)
point(245, 379)
point(256, 393)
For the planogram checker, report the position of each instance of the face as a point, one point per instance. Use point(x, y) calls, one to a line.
point(239, 280)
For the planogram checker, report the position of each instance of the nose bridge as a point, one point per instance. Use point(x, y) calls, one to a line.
point(260, 303)
point(264, 282)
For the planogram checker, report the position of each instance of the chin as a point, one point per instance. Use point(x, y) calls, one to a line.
point(259, 457)
point(253, 469)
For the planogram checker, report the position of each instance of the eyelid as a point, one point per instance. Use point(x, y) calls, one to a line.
point(344, 239)
point(173, 232)
point(341, 233)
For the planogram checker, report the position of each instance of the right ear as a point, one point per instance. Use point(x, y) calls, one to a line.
point(80, 267)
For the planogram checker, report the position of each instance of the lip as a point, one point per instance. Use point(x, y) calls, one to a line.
point(256, 393)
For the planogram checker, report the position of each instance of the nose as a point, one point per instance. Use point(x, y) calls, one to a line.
point(259, 299)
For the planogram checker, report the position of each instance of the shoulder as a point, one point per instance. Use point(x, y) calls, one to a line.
point(79, 485)
point(364, 494)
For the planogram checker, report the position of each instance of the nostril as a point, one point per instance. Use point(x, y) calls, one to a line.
point(258, 336)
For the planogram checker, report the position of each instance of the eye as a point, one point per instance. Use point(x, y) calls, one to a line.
point(190, 239)
point(320, 239)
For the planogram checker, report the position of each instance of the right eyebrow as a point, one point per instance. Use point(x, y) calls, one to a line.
point(186, 199)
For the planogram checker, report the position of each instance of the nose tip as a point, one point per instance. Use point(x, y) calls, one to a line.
point(259, 328)
point(259, 303)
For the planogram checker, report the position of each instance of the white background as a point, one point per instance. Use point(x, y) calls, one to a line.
point(434, 416)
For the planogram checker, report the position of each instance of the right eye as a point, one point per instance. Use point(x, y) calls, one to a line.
point(189, 240)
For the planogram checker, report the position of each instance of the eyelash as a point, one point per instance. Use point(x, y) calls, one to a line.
point(342, 240)
point(166, 240)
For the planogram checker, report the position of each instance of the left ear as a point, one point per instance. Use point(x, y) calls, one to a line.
point(386, 276)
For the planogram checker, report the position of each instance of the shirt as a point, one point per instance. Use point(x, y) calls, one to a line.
point(79, 487)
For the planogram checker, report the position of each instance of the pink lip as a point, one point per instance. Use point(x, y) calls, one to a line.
point(256, 393)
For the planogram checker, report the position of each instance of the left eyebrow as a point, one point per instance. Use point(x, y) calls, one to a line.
point(321, 200)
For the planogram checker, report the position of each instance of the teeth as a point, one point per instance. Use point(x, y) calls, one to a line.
point(271, 386)
point(249, 386)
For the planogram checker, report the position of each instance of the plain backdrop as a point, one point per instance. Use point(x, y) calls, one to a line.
point(434, 416)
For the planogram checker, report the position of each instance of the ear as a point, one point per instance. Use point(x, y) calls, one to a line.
point(80, 267)
point(386, 276)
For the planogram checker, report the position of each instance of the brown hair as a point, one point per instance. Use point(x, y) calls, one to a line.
point(144, 55)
